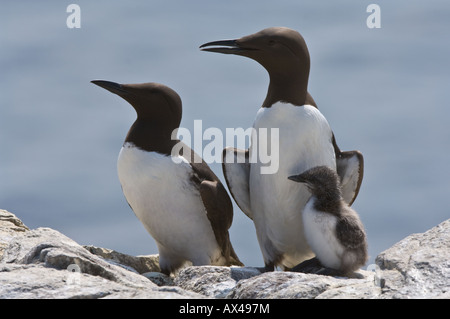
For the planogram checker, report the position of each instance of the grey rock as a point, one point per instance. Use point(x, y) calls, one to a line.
point(10, 225)
point(418, 266)
point(36, 282)
point(9, 222)
point(289, 285)
point(43, 263)
point(140, 264)
point(159, 279)
point(213, 281)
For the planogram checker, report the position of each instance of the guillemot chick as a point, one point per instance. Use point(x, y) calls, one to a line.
point(305, 140)
point(176, 196)
point(333, 230)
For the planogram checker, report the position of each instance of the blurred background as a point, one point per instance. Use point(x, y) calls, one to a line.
point(384, 92)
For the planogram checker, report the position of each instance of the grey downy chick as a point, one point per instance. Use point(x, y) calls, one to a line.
point(333, 230)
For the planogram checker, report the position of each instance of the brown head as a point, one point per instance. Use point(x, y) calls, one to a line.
point(158, 109)
point(283, 53)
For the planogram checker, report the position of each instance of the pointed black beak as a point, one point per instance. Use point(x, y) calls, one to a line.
point(113, 87)
point(297, 178)
point(224, 46)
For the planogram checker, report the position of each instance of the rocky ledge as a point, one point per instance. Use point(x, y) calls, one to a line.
point(43, 263)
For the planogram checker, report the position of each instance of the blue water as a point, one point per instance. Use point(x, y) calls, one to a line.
point(384, 91)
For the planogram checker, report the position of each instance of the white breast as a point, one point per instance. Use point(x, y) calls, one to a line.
point(320, 234)
point(167, 203)
point(276, 202)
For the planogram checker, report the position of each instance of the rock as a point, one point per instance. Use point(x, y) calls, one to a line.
point(159, 279)
point(34, 281)
point(140, 264)
point(288, 285)
point(213, 281)
point(10, 225)
point(43, 263)
point(418, 266)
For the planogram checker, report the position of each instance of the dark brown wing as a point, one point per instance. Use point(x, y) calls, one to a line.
point(219, 210)
point(218, 206)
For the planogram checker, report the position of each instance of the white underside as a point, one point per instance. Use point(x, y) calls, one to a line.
point(276, 202)
point(320, 234)
point(170, 208)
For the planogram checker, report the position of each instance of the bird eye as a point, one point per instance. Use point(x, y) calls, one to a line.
point(272, 42)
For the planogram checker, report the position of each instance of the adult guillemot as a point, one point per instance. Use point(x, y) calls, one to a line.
point(333, 230)
point(306, 140)
point(183, 206)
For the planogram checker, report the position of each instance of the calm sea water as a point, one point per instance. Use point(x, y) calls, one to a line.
point(384, 91)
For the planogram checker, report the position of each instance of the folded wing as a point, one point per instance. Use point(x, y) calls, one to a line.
point(350, 168)
point(236, 169)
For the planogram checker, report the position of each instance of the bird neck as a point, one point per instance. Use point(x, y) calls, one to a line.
point(288, 88)
point(330, 202)
point(151, 136)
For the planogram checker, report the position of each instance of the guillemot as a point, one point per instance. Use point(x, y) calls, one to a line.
point(180, 201)
point(333, 230)
point(306, 141)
